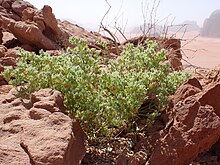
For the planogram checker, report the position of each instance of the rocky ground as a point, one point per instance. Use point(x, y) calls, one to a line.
point(39, 131)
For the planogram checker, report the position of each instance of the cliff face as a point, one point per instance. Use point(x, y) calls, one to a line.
point(211, 26)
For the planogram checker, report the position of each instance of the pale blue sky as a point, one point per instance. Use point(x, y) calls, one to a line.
point(89, 13)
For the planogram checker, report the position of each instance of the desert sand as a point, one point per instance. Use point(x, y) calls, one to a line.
point(200, 51)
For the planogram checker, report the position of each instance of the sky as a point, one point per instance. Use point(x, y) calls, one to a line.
point(129, 13)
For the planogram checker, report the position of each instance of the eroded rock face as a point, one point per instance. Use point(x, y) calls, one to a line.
point(39, 28)
point(187, 136)
point(193, 125)
point(28, 34)
point(37, 131)
point(211, 25)
point(18, 6)
point(189, 88)
point(211, 97)
point(13, 8)
point(210, 157)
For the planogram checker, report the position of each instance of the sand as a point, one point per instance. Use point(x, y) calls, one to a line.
point(201, 51)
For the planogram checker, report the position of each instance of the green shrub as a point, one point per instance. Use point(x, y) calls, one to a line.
point(101, 98)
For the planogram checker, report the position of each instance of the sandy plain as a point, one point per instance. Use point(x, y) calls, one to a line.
point(200, 51)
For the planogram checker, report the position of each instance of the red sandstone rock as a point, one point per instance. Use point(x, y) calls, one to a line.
point(28, 48)
point(192, 124)
point(9, 41)
point(174, 44)
point(19, 6)
point(34, 135)
point(48, 99)
point(195, 129)
point(7, 61)
point(6, 4)
point(14, 53)
point(189, 88)
point(174, 62)
point(30, 30)
point(50, 20)
point(213, 75)
point(171, 43)
point(13, 8)
point(4, 89)
point(194, 82)
point(3, 50)
point(1, 35)
point(39, 28)
point(138, 158)
point(28, 34)
point(28, 14)
point(2, 80)
point(211, 97)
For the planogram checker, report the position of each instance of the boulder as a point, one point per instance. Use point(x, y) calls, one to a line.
point(212, 76)
point(50, 21)
point(210, 157)
point(8, 61)
point(192, 124)
point(191, 87)
point(39, 29)
point(13, 8)
point(211, 97)
point(11, 42)
point(211, 26)
point(31, 134)
point(19, 6)
point(28, 34)
point(6, 4)
point(195, 129)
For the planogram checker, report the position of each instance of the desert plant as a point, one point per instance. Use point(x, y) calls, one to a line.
point(102, 99)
